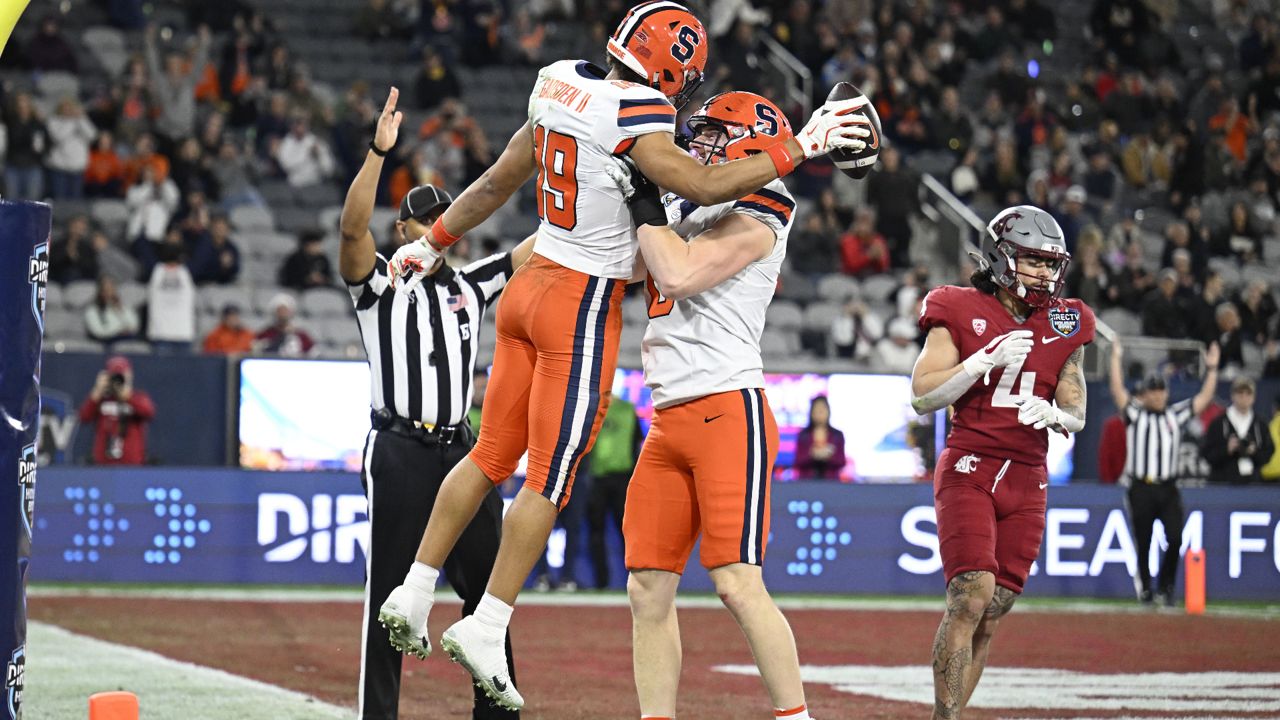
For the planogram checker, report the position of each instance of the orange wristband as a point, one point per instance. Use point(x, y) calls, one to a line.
point(442, 236)
point(782, 160)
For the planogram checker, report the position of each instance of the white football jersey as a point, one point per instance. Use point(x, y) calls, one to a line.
point(710, 343)
point(579, 120)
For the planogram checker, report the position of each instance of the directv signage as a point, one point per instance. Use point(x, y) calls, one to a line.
point(233, 526)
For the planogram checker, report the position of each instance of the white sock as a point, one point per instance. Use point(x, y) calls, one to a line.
point(798, 713)
point(493, 614)
point(422, 579)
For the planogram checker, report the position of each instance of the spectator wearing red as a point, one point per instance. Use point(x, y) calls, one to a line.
point(863, 251)
point(121, 413)
point(1111, 450)
point(282, 337)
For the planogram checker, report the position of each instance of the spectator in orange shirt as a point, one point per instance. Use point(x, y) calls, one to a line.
point(231, 336)
point(104, 176)
point(1235, 125)
point(863, 251)
point(144, 154)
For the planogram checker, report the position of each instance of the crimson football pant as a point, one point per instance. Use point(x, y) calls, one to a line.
point(401, 477)
point(990, 515)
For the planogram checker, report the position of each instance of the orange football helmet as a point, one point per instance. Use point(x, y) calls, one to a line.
point(666, 45)
point(750, 123)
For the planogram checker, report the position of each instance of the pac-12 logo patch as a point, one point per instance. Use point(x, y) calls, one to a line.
point(27, 484)
point(14, 678)
point(979, 326)
point(1065, 321)
point(38, 276)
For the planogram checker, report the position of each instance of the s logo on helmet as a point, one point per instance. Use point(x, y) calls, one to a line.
point(767, 119)
point(686, 43)
point(1064, 321)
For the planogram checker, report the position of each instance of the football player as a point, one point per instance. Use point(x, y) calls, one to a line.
point(560, 322)
point(706, 463)
point(1006, 353)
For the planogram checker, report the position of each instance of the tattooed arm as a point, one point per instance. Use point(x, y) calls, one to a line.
point(1071, 394)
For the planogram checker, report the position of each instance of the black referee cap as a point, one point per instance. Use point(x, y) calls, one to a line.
point(422, 201)
point(1153, 381)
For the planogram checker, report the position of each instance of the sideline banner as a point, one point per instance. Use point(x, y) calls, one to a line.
point(24, 272)
point(238, 526)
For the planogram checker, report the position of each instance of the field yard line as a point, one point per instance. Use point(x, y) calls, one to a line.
point(619, 599)
point(63, 669)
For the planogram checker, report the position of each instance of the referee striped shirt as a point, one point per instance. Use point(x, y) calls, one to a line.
point(422, 345)
point(1153, 440)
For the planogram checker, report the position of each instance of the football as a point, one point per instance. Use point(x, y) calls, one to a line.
point(857, 164)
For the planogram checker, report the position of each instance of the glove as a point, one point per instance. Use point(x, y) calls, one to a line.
point(832, 127)
point(1008, 349)
point(642, 195)
point(411, 263)
point(1038, 413)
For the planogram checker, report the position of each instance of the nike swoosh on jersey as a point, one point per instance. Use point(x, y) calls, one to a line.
point(1047, 340)
point(1043, 485)
point(709, 419)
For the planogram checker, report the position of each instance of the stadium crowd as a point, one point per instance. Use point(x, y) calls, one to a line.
point(1160, 157)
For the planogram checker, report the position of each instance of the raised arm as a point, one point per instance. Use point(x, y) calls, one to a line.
point(683, 269)
point(357, 253)
point(1204, 398)
point(837, 124)
point(1119, 395)
point(492, 189)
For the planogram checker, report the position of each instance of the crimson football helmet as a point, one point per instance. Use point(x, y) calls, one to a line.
point(1025, 231)
point(666, 45)
point(748, 122)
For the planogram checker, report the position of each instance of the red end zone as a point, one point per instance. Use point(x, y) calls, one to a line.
point(575, 662)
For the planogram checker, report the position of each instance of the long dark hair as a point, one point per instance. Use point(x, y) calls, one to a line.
point(627, 73)
point(812, 403)
point(982, 279)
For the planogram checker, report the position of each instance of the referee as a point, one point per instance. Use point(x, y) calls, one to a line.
point(1153, 434)
point(422, 351)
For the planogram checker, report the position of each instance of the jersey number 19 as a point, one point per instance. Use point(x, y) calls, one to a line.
point(557, 157)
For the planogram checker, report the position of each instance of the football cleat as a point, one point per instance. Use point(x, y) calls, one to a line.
point(404, 615)
point(484, 655)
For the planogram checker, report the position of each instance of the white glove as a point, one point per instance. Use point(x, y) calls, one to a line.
point(1008, 349)
point(411, 263)
point(1038, 413)
point(832, 127)
point(619, 171)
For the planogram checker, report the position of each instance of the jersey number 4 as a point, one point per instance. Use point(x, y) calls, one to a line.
point(557, 157)
point(1004, 396)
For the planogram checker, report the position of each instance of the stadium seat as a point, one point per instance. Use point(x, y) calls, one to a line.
point(252, 217)
point(215, 297)
point(879, 288)
point(271, 246)
point(1122, 321)
point(819, 316)
point(112, 215)
point(65, 325)
point(784, 315)
point(107, 44)
point(775, 344)
point(326, 303)
point(1254, 358)
point(837, 288)
point(57, 85)
point(1253, 272)
point(258, 272)
point(336, 330)
point(206, 321)
point(79, 293)
point(296, 219)
point(132, 347)
point(277, 193)
point(798, 288)
point(68, 345)
point(133, 294)
point(53, 297)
